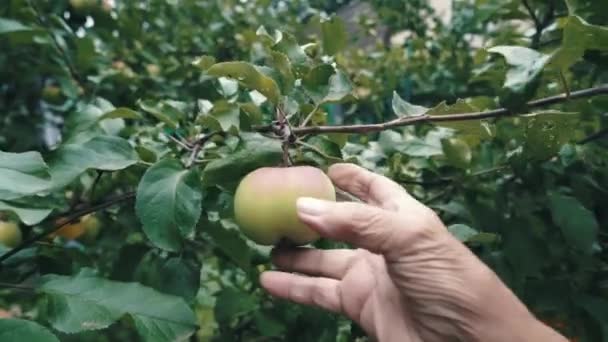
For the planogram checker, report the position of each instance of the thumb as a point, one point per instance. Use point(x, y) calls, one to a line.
point(361, 225)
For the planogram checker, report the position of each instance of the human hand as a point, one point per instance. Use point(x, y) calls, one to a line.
point(409, 279)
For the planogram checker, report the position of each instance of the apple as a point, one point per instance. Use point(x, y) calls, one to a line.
point(52, 94)
point(10, 234)
point(86, 228)
point(70, 231)
point(83, 6)
point(92, 226)
point(265, 203)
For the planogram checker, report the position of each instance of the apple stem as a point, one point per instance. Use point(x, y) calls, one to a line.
point(283, 130)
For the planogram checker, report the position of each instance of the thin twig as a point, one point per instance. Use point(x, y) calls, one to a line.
point(284, 131)
point(95, 182)
point(530, 10)
point(194, 154)
point(408, 121)
point(70, 218)
point(179, 142)
point(198, 145)
point(309, 116)
point(316, 150)
point(539, 25)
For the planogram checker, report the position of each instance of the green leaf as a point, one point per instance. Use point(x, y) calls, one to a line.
point(598, 309)
point(224, 116)
point(22, 174)
point(230, 242)
point(249, 75)
point(462, 232)
point(168, 203)
point(546, 132)
point(323, 150)
point(578, 37)
point(334, 36)
point(254, 151)
point(100, 153)
point(526, 65)
point(121, 113)
point(13, 330)
point(457, 152)
point(87, 302)
point(578, 224)
point(181, 277)
point(232, 303)
point(325, 84)
point(176, 276)
point(290, 47)
point(10, 26)
point(228, 87)
point(204, 62)
point(471, 131)
point(163, 111)
point(27, 215)
point(268, 325)
point(88, 115)
point(402, 108)
point(281, 62)
point(416, 147)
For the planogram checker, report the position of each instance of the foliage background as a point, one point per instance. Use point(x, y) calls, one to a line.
point(120, 100)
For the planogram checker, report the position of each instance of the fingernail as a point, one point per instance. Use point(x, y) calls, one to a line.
point(311, 206)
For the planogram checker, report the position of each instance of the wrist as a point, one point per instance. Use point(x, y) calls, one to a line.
point(520, 329)
point(501, 316)
point(510, 320)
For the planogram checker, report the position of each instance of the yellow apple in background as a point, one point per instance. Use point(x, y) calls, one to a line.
point(82, 6)
point(265, 203)
point(153, 69)
point(52, 94)
point(87, 227)
point(70, 231)
point(10, 234)
point(92, 226)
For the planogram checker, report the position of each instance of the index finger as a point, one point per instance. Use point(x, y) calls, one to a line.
point(370, 187)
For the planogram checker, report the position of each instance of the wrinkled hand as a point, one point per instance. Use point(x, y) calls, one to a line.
point(410, 280)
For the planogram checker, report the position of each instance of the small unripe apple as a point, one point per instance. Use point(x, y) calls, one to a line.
point(70, 231)
point(82, 6)
point(92, 227)
point(265, 203)
point(10, 234)
point(52, 94)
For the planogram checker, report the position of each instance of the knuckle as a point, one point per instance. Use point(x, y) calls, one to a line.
point(366, 219)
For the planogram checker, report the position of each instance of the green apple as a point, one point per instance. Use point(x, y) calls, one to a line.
point(52, 94)
point(82, 6)
point(10, 234)
point(92, 227)
point(265, 203)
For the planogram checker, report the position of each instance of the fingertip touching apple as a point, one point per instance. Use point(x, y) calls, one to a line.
point(265, 203)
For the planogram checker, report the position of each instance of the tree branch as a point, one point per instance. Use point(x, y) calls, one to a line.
point(70, 219)
point(181, 143)
point(593, 137)
point(530, 10)
point(194, 154)
point(538, 24)
point(408, 121)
